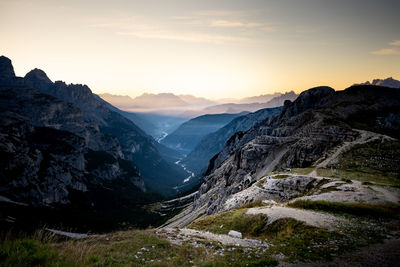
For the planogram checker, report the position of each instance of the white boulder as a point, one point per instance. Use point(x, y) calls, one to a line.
point(234, 233)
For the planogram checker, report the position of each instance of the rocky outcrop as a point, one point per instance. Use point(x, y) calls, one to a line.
point(316, 122)
point(210, 145)
point(48, 150)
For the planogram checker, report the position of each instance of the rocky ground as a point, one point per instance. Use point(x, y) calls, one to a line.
point(275, 196)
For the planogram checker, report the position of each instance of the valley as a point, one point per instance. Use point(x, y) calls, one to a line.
point(306, 181)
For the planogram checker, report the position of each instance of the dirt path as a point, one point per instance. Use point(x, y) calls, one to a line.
point(313, 218)
point(364, 137)
point(178, 236)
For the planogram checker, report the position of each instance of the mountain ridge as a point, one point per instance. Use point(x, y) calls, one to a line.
point(136, 145)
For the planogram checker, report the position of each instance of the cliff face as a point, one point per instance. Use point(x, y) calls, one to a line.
point(319, 120)
point(211, 144)
point(76, 109)
point(48, 150)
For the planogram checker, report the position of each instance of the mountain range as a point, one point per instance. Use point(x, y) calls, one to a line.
point(66, 153)
point(189, 106)
point(102, 130)
point(388, 82)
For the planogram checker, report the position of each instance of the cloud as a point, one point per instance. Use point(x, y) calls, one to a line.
point(386, 52)
point(211, 26)
point(221, 13)
point(186, 37)
point(224, 19)
point(395, 43)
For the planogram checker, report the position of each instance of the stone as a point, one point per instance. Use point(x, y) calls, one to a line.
point(234, 233)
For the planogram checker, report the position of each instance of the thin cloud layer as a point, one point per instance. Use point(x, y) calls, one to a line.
point(395, 43)
point(216, 26)
point(388, 51)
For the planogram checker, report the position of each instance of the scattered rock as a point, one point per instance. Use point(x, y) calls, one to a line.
point(234, 233)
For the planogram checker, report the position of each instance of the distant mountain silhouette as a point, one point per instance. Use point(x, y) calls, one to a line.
point(197, 101)
point(120, 101)
point(162, 100)
point(252, 107)
point(258, 99)
point(388, 82)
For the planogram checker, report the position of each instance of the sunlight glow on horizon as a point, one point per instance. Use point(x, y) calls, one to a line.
point(212, 49)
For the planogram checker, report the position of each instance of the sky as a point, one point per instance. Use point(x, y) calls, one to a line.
point(208, 48)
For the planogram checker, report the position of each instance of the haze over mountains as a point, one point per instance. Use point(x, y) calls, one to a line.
point(189, 106)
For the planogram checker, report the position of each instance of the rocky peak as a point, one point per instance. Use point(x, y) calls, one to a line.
point(308, 99)
point(388, 82)
point(37, 75)
point(6, 68)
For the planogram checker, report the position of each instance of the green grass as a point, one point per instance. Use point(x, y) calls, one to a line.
point(377, 161)
point(30, 252)
point(124, 248)
point(248, 225)
point(358, 175)
point(281, 176)
point(296, 240)
point(356, 209)
point(301, 242)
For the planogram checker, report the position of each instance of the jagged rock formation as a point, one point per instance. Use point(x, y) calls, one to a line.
point(59, 141)
point(48, 150)
point(317, 121)
point(133, 143)
point(211, 144)
point(388, 82)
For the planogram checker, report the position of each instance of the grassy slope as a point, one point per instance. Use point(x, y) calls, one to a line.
point(125, 248)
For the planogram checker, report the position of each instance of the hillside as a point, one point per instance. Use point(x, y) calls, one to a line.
point(318, 121)
point(198, 159)
point(135, 144)
point(317, 183)
point(189, 134)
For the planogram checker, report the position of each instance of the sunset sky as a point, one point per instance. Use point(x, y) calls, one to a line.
point(208, 48)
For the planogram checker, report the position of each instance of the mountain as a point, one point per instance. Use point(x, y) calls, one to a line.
point(197, 160)
point(188, 135)
point(388, 82)
point(136, 146)
point(354, 132)
point(196, 101)
point(119, 101)
point(258, 99)
point(45, 154)
point(252, 107)
point(158, 101)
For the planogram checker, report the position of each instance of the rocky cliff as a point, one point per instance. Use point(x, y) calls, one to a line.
point(104, 129)
point(211, 144)
point(318, 121)
point(47, 150)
